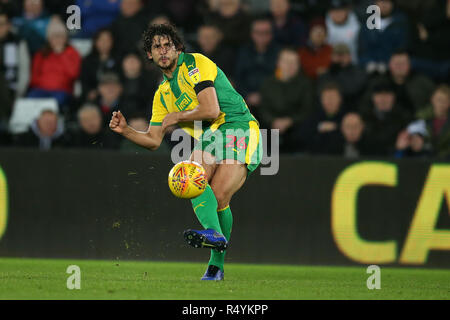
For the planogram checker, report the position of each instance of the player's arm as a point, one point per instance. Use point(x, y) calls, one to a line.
point(151, 139)
point(208, 109)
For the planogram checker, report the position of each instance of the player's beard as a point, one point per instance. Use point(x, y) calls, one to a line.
point(168, 67)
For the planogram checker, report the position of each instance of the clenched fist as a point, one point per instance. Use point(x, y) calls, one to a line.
point(118, 122)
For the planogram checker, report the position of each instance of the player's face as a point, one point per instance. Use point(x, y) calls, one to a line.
point(164, 53)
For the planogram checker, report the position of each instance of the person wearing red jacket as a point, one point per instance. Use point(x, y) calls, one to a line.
point(55, 67)
point(315, 56)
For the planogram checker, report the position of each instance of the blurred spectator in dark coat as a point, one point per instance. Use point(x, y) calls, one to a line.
point(56, 67)
point(14, 58)
point(58, 7)
point(100, 60)
point(343, 26)
point(411, 143)
point(437, 117)
point(182, 13)
point(377, 46)
point(310, 9)
point(288, 29)
point(316, 55)
point(128, 28)
point(319, 133)
point(91, 132)
point(256, 61)
point(12, 7)
point(286, 98)
point(6, 103)
point(109, 95)
point(431, 42)
point(32, 25)
point(354, 142)
point(209, 39)
point(45, 133)
point(233, 21)
point(138, 85)
point(384, 117)
point(352, 78)
point(413, 90)
point(97, 14)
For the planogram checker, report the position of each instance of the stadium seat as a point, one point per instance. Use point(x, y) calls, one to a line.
point(25, 110)
point(83, 46)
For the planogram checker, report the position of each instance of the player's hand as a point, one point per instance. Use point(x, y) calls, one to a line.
point(170, 120)
point(118, 122)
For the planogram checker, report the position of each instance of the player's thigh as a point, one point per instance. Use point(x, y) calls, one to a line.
point(207, 160)
point(228, 178)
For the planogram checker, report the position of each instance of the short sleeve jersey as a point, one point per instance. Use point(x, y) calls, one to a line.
point(179, 94)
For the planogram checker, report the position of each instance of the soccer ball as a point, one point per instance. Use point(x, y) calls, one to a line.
point(187, 179)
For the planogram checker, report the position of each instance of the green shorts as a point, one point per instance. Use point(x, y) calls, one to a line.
point(234, 140)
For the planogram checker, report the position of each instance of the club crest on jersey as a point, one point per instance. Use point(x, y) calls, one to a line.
point(194, 74)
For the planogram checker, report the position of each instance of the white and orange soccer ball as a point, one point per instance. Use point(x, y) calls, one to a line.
point(187, 179)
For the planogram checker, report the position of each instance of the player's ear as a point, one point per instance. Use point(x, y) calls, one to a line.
point(149, 55)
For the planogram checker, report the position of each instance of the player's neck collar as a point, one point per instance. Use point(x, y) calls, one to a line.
point(179, 63)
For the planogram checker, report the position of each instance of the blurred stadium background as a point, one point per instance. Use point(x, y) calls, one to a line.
point(364, 172)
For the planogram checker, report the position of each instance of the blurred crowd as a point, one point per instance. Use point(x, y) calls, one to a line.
point(312, 69)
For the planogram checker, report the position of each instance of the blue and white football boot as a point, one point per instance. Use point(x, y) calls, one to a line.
point(208, 238)
point(213, 273)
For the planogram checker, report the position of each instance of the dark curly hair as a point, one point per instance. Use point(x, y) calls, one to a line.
point(164, 30)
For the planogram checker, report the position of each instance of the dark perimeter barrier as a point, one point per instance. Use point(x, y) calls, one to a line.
point(109, 205)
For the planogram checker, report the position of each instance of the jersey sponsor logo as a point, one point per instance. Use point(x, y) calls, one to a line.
point(194, 74)
point(183, 102)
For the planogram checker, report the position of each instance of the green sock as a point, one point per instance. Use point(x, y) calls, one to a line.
point(226, 222)
point(205, 208)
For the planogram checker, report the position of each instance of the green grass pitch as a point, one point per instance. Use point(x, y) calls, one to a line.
point(47, 278)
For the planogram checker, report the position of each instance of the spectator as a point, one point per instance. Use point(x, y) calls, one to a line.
point(233, 22)
point(377, 46)
point(354, 142)
point(14, 58)
point(316, 55)
point(320, 132)
point(310, 9)
point(6, 103)
point(102, 59)
point(183, 13)
point(411, 142)
point(384, 117)
point(138, 85)
point(11, 7)
point(209, 39)
point(32, 25)
point(413, 90)
point(110, 91)
point(96, 15)
point(45, 133)
point(437, 117)
point(130, 25)
point(343, 26)
point(91, 133)
point(431, 45)
point(288, 29)
point(352, 79)
point(55, 67)
point(256, 61)
point(58, 7)
point(286, 98)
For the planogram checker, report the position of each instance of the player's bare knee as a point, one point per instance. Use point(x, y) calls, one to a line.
point(222, 196)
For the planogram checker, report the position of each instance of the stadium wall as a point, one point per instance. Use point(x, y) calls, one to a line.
point(330, 211)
